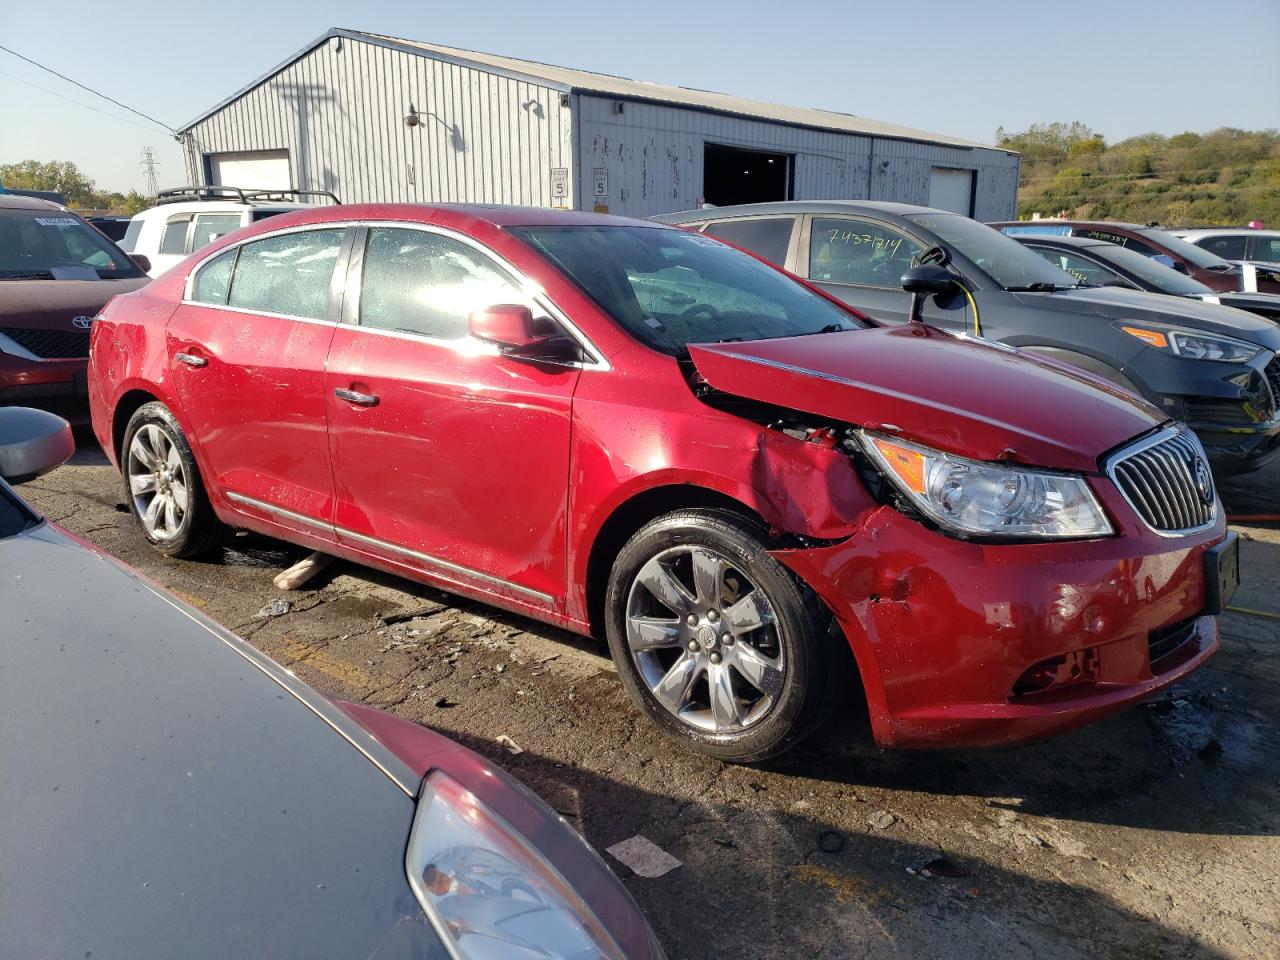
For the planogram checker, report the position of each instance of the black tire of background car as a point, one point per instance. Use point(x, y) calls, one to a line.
point(200, 531)
point(818, 672)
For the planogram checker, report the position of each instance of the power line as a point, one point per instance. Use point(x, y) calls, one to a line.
point(77, 83)
point(78, 103)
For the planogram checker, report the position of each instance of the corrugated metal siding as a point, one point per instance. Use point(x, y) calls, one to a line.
point(339, 111)
point(653, 154)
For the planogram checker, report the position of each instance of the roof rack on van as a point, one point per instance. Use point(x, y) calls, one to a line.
point(199, 192)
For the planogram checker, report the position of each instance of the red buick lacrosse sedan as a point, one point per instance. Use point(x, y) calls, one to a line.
point(626, 429)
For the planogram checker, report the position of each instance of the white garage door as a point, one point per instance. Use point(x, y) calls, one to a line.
point(952, 190)
point(260, 170)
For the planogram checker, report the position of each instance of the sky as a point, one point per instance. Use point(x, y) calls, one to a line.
point(963, 69)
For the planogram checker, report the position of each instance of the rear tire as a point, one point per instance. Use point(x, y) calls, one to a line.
point(722, 647)
point(163, 487)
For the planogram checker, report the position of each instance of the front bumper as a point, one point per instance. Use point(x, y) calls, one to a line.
point(1235, 449)
point(943, 629)
point(57, 385)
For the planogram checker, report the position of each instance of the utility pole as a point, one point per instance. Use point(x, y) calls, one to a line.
point(149, 166)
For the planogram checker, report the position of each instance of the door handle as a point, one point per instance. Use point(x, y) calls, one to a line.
point(354, 396)
point(191, 360)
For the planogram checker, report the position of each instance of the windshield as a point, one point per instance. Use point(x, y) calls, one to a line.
point(1001, 258)
point(670, 288)
point(1187, 251)
point(54, 245)
point(1165, 279)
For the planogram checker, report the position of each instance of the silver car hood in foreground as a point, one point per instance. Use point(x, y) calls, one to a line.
point(163, 793)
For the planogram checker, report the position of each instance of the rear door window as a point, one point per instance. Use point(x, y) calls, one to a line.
point(210, 226)
point(1228, 248)
point(1266, 249)
point(174, 239)
point(287, 274)
point(768, 237)
point(859, 252)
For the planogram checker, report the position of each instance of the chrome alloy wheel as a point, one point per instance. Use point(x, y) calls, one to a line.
point(157, 482)
point(704, 639)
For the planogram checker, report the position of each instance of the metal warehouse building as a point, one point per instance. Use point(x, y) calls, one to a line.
point(376, 118)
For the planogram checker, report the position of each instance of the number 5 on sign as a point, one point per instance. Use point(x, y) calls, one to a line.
point(600, 182)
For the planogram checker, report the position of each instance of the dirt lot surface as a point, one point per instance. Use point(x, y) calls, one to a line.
point(1152, 834)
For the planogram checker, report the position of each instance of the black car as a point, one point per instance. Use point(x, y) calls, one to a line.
point(1214, 367)
point(1097, 263)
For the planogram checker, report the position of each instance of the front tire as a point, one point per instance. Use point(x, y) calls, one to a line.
point(163, 488)
point(721, 646)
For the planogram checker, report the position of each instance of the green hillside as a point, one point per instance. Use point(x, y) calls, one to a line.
point(1225, 177)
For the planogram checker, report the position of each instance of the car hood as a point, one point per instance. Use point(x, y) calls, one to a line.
point(1119, 304)
point(51, 304)
point(964, 396)
point(164, 795)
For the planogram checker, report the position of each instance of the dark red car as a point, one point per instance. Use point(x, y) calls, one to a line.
point(627, 429)
point(56, 272)
point(1196, 262)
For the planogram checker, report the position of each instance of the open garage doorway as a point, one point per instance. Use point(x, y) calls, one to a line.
point(732, 175)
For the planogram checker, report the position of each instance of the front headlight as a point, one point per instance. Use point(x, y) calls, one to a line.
point(490, 894)
point(1198, 346)
point(975, 498)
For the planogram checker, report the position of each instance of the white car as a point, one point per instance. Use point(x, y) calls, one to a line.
point(187, 218)
point(1242, 245)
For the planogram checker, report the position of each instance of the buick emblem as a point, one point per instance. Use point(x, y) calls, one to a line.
point(1203, 479)
point(84, 323)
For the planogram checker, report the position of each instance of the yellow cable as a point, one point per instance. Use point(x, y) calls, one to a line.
point(977, 330)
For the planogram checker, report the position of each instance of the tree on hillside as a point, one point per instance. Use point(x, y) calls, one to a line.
point(1047, 141)
point(63, 177)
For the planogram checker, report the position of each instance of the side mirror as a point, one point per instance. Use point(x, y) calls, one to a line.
point(509, 325)
point(32, 442)
point(928, 279)
point(1166, 260)
point(142, 261)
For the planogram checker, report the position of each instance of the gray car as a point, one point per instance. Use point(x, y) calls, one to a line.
point(168, 791)
point(1214, 367)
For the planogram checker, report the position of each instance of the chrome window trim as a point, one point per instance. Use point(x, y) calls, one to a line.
point(423, 558)
point(1155, 439)
point(598, 362)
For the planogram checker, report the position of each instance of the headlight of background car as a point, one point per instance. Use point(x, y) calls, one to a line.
point(1199, 346)
point(989, 499)
point(489, 894)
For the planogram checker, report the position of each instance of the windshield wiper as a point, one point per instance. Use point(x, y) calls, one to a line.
point(32, 275)
point(1039, 286)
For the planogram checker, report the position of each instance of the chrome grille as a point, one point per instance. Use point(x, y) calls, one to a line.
point(1166, 480)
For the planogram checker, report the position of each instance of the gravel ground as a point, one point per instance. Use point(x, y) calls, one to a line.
point(1152, 834)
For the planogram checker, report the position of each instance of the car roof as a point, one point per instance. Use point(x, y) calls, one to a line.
point(218, 206)
point(14, 201)
point(794, 207)
point(1060, 241)
point(1101, 224)
point(460, 214)
point(1226, 232)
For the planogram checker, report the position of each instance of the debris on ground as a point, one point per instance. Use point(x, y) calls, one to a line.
point(882, 820)
point(643, 857)
point(276, 608)
point(830, 842)
point(511, 745)
point(444, 703)
point(391, 619)
point(944, 867)
point(302, 571)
